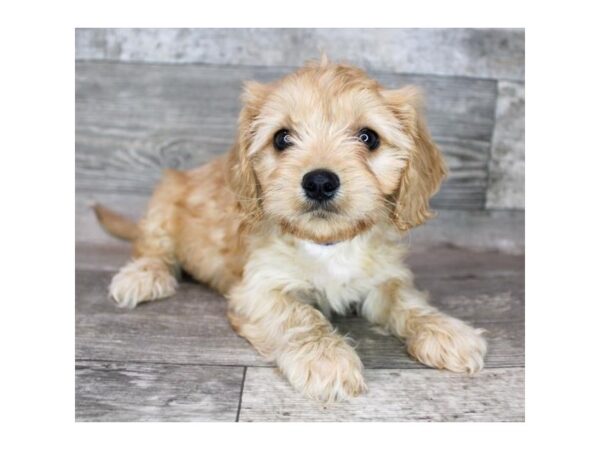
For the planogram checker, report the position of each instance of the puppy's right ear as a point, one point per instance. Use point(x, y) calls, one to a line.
point(241, 175)
point(425, 168)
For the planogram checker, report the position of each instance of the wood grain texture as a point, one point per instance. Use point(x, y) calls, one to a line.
point(393, 395)
point(123, 392)
point(507, 164)
point(190, 328)
point(109, 257)
point(491, 53)
point(133, 120)
point(376, 351)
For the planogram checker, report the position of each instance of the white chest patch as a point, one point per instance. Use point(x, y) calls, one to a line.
point(336, 260)
point(333, 276)
point(341, 274)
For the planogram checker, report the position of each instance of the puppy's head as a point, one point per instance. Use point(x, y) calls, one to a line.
point(326, 152)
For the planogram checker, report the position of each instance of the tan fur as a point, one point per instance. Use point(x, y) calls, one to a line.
point(116, 224)
point(425, 169)
point(242, 224)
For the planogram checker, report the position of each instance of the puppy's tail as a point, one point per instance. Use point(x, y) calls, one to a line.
point(116, 224)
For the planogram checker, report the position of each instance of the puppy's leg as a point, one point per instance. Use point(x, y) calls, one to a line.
point(143, 279)
point(432, 337)
point(152, 274)
point(315, 359)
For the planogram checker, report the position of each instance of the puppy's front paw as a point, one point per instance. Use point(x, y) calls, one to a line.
point(327, 369)
point(141, 280)
point(447, 343)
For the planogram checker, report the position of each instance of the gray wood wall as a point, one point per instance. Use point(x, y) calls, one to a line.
point(153, 98)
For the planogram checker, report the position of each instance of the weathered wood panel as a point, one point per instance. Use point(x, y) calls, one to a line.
point(505, 344)
point(507, 164)
point(452, 262)
point(101, 257)
point(494, 395)
point(190, 328)
point(491, 53)
point(474, 230)
point(123, 392)
point(133, 120)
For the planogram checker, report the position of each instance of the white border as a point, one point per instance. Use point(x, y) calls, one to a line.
point(38, 222)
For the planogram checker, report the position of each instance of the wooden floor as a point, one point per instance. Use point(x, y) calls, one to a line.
point(178, 359)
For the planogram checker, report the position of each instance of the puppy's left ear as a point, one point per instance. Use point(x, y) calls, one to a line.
point(425, 168)
point(241, 175)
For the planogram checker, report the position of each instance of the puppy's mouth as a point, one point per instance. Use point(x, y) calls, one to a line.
point(324, 227)
point(321, 210)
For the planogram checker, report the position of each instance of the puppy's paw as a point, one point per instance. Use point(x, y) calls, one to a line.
point(142, 280)
point(446, 343)
point(327, 369)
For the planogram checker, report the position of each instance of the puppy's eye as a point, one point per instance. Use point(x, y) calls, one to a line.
point(282, 140)
point(369, 138)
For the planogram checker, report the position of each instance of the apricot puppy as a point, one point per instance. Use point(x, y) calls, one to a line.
point(304, 217)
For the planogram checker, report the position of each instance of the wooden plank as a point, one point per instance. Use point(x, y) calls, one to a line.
point(452, 262)
point(505, 344)
point(489, 53)
point(110, 257)
point(125, 392)
point(481, 300)
point(191, 327)
point(475, 230)
point(495, 395)
point(133, 120)
point(507, 164)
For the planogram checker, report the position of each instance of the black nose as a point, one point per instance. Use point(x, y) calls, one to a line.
point(320, 184)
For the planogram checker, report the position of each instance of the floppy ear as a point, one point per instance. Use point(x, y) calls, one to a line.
point(425, 168)
point(241, 175)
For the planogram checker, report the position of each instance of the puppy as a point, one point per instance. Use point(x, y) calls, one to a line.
point(304, 217)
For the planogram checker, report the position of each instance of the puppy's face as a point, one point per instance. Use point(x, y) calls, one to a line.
point(330, 154)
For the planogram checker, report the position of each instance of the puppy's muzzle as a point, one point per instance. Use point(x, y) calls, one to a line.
point(320, 185)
